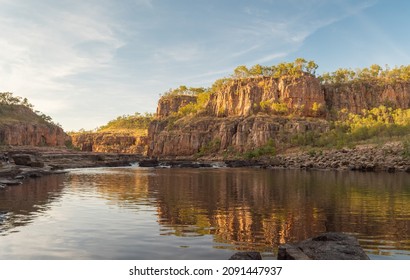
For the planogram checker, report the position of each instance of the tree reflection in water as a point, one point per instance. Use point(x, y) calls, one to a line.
point(240, 209)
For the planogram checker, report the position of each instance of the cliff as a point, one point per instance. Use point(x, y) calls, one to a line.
point(20, 126)
point(356, 96)
point(209, 135)
point(248, 96)
point(110, 142)
point(170, 104)
point(245, 114)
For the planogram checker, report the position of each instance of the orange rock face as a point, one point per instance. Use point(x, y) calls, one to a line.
point(171, 104)
point(107, 142)
point(245, 97)
point(358, 96)
point(241, 114)
point(26, 134)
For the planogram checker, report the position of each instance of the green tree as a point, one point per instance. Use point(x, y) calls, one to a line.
point(256, 70)
point(241, 72)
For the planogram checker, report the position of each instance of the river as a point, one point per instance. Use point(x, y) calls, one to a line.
point(145, 213)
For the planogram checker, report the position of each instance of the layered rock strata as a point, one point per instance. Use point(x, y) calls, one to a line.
point(218, 135)
point(247, 113)
point(109, 142)
point(26, 134)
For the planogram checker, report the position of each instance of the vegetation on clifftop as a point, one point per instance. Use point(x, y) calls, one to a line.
point(136, 124)
point(373, 74)
point(10, 112)
point(376, 125)
point(372, 126)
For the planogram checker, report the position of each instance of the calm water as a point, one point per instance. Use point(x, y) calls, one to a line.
point(141, 213)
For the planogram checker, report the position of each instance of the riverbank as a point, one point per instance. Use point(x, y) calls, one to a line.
point(19, 163)
point(28, 162)
point(389, 157)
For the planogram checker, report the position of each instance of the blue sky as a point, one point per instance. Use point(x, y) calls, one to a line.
point(86, 62)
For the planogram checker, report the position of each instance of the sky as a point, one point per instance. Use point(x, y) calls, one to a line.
point(85, 62)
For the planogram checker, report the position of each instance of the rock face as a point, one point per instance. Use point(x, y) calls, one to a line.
point(245, 97)
point(170, 104)
point(358, 96)
point(327, 246)
point(108, 142)
point(19, 126)
point(238, 117)
point(248, 113)
point(26, 134)
point(219, 134)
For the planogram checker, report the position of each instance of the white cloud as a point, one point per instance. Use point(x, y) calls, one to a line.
point(64, 56)
point(43, 46)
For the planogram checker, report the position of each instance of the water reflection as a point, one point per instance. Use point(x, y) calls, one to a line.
point(220, 209)
point(19, 205)
point(252, 209)
point(259, 209)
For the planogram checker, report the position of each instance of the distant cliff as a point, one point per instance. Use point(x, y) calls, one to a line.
point(110, 142)
point(20, 126)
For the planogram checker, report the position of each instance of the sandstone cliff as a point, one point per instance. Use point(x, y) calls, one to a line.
point(245, 97)
point(244, 114)
point(358, 96)
point(19, 126)
point(109, 142)
point(170, 104)
point(219, 135)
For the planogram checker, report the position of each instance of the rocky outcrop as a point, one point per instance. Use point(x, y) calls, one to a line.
point(246, 256)
point(29, 162)
point(358, 96)
point(218, 135)
point(388, 157)
point(27, 134)
point(20, 126)
point(246, 113)
point(171, 104)
point(239, 117)
point(109, 142)
point(245, 97)
point(327, 246)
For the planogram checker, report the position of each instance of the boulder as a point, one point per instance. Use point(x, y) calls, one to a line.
point(327, 246)
point(23, 159)
point(246, 256)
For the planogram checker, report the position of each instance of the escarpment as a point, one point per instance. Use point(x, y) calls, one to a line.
point(244, 114)
point(248, 96)
point(171, 104)
point(354, 96)
point(20, 126)
point(223, 135)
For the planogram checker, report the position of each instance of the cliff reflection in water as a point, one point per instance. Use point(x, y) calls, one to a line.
point(251, 209)
point(137, 213)
point(258, 209)
point(19, 205)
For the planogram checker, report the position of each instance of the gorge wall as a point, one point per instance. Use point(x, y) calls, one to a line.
point(358, 96)
point(108, 142)
point(247, 113)
point(20, 126)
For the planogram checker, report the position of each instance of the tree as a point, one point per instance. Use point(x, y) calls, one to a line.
point(256, 70)
point(311, 67)
point(241, 72)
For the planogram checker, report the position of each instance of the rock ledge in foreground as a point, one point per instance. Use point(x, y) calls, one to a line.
point(327, 246)
point(246, 256)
